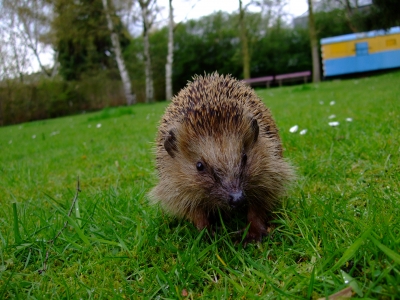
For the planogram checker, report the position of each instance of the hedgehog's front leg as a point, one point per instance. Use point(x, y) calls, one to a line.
point(258, 228)
point(200, 219)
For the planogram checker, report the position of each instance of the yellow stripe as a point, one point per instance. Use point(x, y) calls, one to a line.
point(348, 48)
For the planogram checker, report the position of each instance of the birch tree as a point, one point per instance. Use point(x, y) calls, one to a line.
point(146, 7)
point(30, 25)
point(271, 10)
point(14, 55)
point(244, 42)
point(83, 39)
point(314, 44)
point(170, 55)
point(126, 82)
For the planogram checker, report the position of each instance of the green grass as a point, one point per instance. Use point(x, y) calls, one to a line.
point(339, 227)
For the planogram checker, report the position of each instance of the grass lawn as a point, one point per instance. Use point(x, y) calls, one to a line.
point(338, 228)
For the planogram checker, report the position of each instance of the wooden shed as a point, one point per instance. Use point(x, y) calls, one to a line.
point(361, 52)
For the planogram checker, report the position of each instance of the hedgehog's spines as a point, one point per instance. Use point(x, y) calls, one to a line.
point(217, 120)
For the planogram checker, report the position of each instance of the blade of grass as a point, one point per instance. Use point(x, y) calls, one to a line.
point(222, 274)
point(103, 241)
point(17, 234)
point(164, 281)
point(349, 253)
point(5, 285)
point(78, 230)
point(389, 252)
point(352, 283)
point(121, 243)
point(288, 296)
point(311, 284)
point(78, 213)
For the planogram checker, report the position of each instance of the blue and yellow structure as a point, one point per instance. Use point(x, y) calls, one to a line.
point(361, 52)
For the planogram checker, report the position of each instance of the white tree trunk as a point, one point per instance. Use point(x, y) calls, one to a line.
point(170, 56)
point(33, 45)
point(130, 98)
point(147, 60)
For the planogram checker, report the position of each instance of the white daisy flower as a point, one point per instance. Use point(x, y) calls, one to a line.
point(294, 129)
point(303, 132)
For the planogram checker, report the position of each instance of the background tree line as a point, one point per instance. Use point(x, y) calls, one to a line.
point(94, 45)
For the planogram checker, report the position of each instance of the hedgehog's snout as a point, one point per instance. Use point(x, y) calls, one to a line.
point(236, 199)
point(233, 190)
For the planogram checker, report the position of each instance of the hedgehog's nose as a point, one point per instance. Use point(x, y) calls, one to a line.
point(235, 199)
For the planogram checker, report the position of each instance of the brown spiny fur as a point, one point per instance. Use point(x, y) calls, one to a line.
point(221, 123)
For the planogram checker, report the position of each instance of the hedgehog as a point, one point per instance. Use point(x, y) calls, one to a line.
point(218, 150)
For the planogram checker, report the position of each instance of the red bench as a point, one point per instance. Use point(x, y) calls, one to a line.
point(266, 80)
point(279, 78)
point(292, 76)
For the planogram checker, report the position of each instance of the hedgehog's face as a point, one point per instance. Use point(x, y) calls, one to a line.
point(214, 164)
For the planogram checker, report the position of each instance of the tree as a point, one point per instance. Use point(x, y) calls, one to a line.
point(83, 40)
point(130, 99)
point(13, 53)
point(28, 25)
point(314, 44)
point(146, 7)
point(271, 11)
point(380, 14)
point(170, 55)
point(244, 42)
point(206, 45)
point(331, 23)
point(384, 14)
point(350, 10)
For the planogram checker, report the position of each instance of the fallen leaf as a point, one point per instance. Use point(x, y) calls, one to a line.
point(184, 293)
point(343, 294)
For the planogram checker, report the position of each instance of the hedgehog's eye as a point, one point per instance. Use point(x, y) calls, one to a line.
point(200, 166)
point(244, 159)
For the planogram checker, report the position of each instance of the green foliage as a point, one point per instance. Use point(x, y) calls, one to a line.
point(83, 40)
point(281, 51)
point(133, 56)
point(158, 52)
point(384, 14)
point(339, 226)
point(331, 23)
point(50, 98)
point(212, 43)
point(206, 45)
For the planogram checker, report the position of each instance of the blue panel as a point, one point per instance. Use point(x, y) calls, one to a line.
point(362, 63)
point(391, 59)
point(339, 66)
point(369, 63)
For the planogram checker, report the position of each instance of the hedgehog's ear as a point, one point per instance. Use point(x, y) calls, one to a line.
point(170, 143)
point(254, 131)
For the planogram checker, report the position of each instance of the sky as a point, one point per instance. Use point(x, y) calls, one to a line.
point(192, 9)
